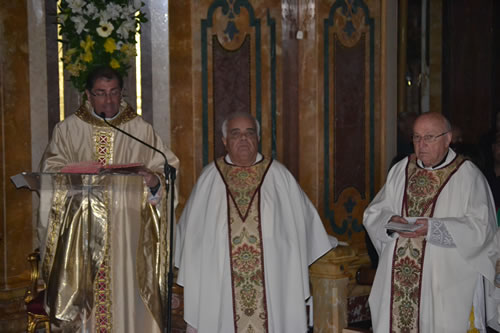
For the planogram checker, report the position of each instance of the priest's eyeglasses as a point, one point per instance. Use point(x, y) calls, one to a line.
point(103, 94)
point(427, 138)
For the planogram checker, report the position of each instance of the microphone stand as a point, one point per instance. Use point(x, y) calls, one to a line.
point(170, 175)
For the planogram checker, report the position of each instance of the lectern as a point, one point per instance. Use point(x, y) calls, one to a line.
point(104, 250)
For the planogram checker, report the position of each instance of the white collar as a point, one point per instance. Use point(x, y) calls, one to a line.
point(258, 158)
point(449, 158)
point(92, 111)
point(99, 117)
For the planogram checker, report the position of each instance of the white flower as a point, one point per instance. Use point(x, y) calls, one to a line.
point(105, 29)
point(80, 23)
point(76, 6)
point(137, 4)
point(103, 16)
point(91, 9)
point(128, 11)
point(114, 10)
point(119, 45)
point(125, 28)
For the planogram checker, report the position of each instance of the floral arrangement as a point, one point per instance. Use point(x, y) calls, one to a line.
point(96, 33)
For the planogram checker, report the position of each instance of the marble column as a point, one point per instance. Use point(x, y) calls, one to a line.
point(15, 211)
point(329, 283)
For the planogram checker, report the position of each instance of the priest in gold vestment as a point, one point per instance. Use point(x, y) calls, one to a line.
point(430, 279)
point(123, 288)
point(245, 240)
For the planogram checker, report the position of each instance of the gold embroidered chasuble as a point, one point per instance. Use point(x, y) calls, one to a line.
point(97, 278)
point(422, 189)
point(245, 243)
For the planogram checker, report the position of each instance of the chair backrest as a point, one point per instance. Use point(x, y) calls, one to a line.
point(32, 291)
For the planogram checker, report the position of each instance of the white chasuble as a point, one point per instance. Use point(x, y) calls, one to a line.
point(449, 274)
point(292, 237)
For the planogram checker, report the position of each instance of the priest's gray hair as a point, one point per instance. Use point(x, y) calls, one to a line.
point(239, 114)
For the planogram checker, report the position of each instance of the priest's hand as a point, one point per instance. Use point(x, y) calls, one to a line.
point(422, 231)
point(149, 177)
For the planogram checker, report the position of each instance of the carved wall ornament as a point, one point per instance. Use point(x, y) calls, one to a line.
point(349, 23)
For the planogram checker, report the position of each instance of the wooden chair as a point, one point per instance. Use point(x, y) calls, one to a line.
point(34, 298)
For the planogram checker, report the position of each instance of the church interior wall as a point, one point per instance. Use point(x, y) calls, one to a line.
point(29, 106)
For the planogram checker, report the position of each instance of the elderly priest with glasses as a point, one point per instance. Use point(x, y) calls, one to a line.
point(434, 227)
point(122, 290)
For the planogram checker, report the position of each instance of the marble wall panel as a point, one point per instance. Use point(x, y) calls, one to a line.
point(15, 211)
point(310, 151)
point(184, 74)
point(348, 42)
point(291, 85)
point(205, 54)
point(231, 91)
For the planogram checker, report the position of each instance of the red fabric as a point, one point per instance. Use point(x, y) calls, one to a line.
point(36, 305)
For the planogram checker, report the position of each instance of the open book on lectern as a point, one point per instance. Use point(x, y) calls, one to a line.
point(92, 167)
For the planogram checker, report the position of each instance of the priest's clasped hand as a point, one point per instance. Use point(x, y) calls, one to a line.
point(422, 231)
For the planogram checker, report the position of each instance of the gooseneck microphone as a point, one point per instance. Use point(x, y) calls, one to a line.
point(167, 167)
point(169, 172)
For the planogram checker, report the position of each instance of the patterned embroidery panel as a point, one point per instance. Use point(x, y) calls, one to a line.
point(423, 186)
point(125, 115)
point(406, 277)
point(248, 271)
point(245, 239)
point(103, 139)
point(422, 189)
point(242, 184)
point(102, 294)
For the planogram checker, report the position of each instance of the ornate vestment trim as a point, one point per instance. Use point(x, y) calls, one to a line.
point(103, 144)
point(55, 218)
point(245, 243)
point(102, 286)
point(125, 114)
point(103, 150)
point(102, 296)
point(422, 181)
point(422, 189)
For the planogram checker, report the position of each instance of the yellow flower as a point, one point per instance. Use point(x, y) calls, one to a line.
point(114, 63)
point(129, 50)
point(73, 69)
point(87, 56)
point(109, 45)
point(88, 44)
point(68, 54)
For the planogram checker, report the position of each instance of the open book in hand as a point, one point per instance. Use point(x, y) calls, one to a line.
point(405, 227)
point(92, 167)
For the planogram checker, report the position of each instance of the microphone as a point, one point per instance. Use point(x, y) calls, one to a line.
point(169, 170)
point(169, 179)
